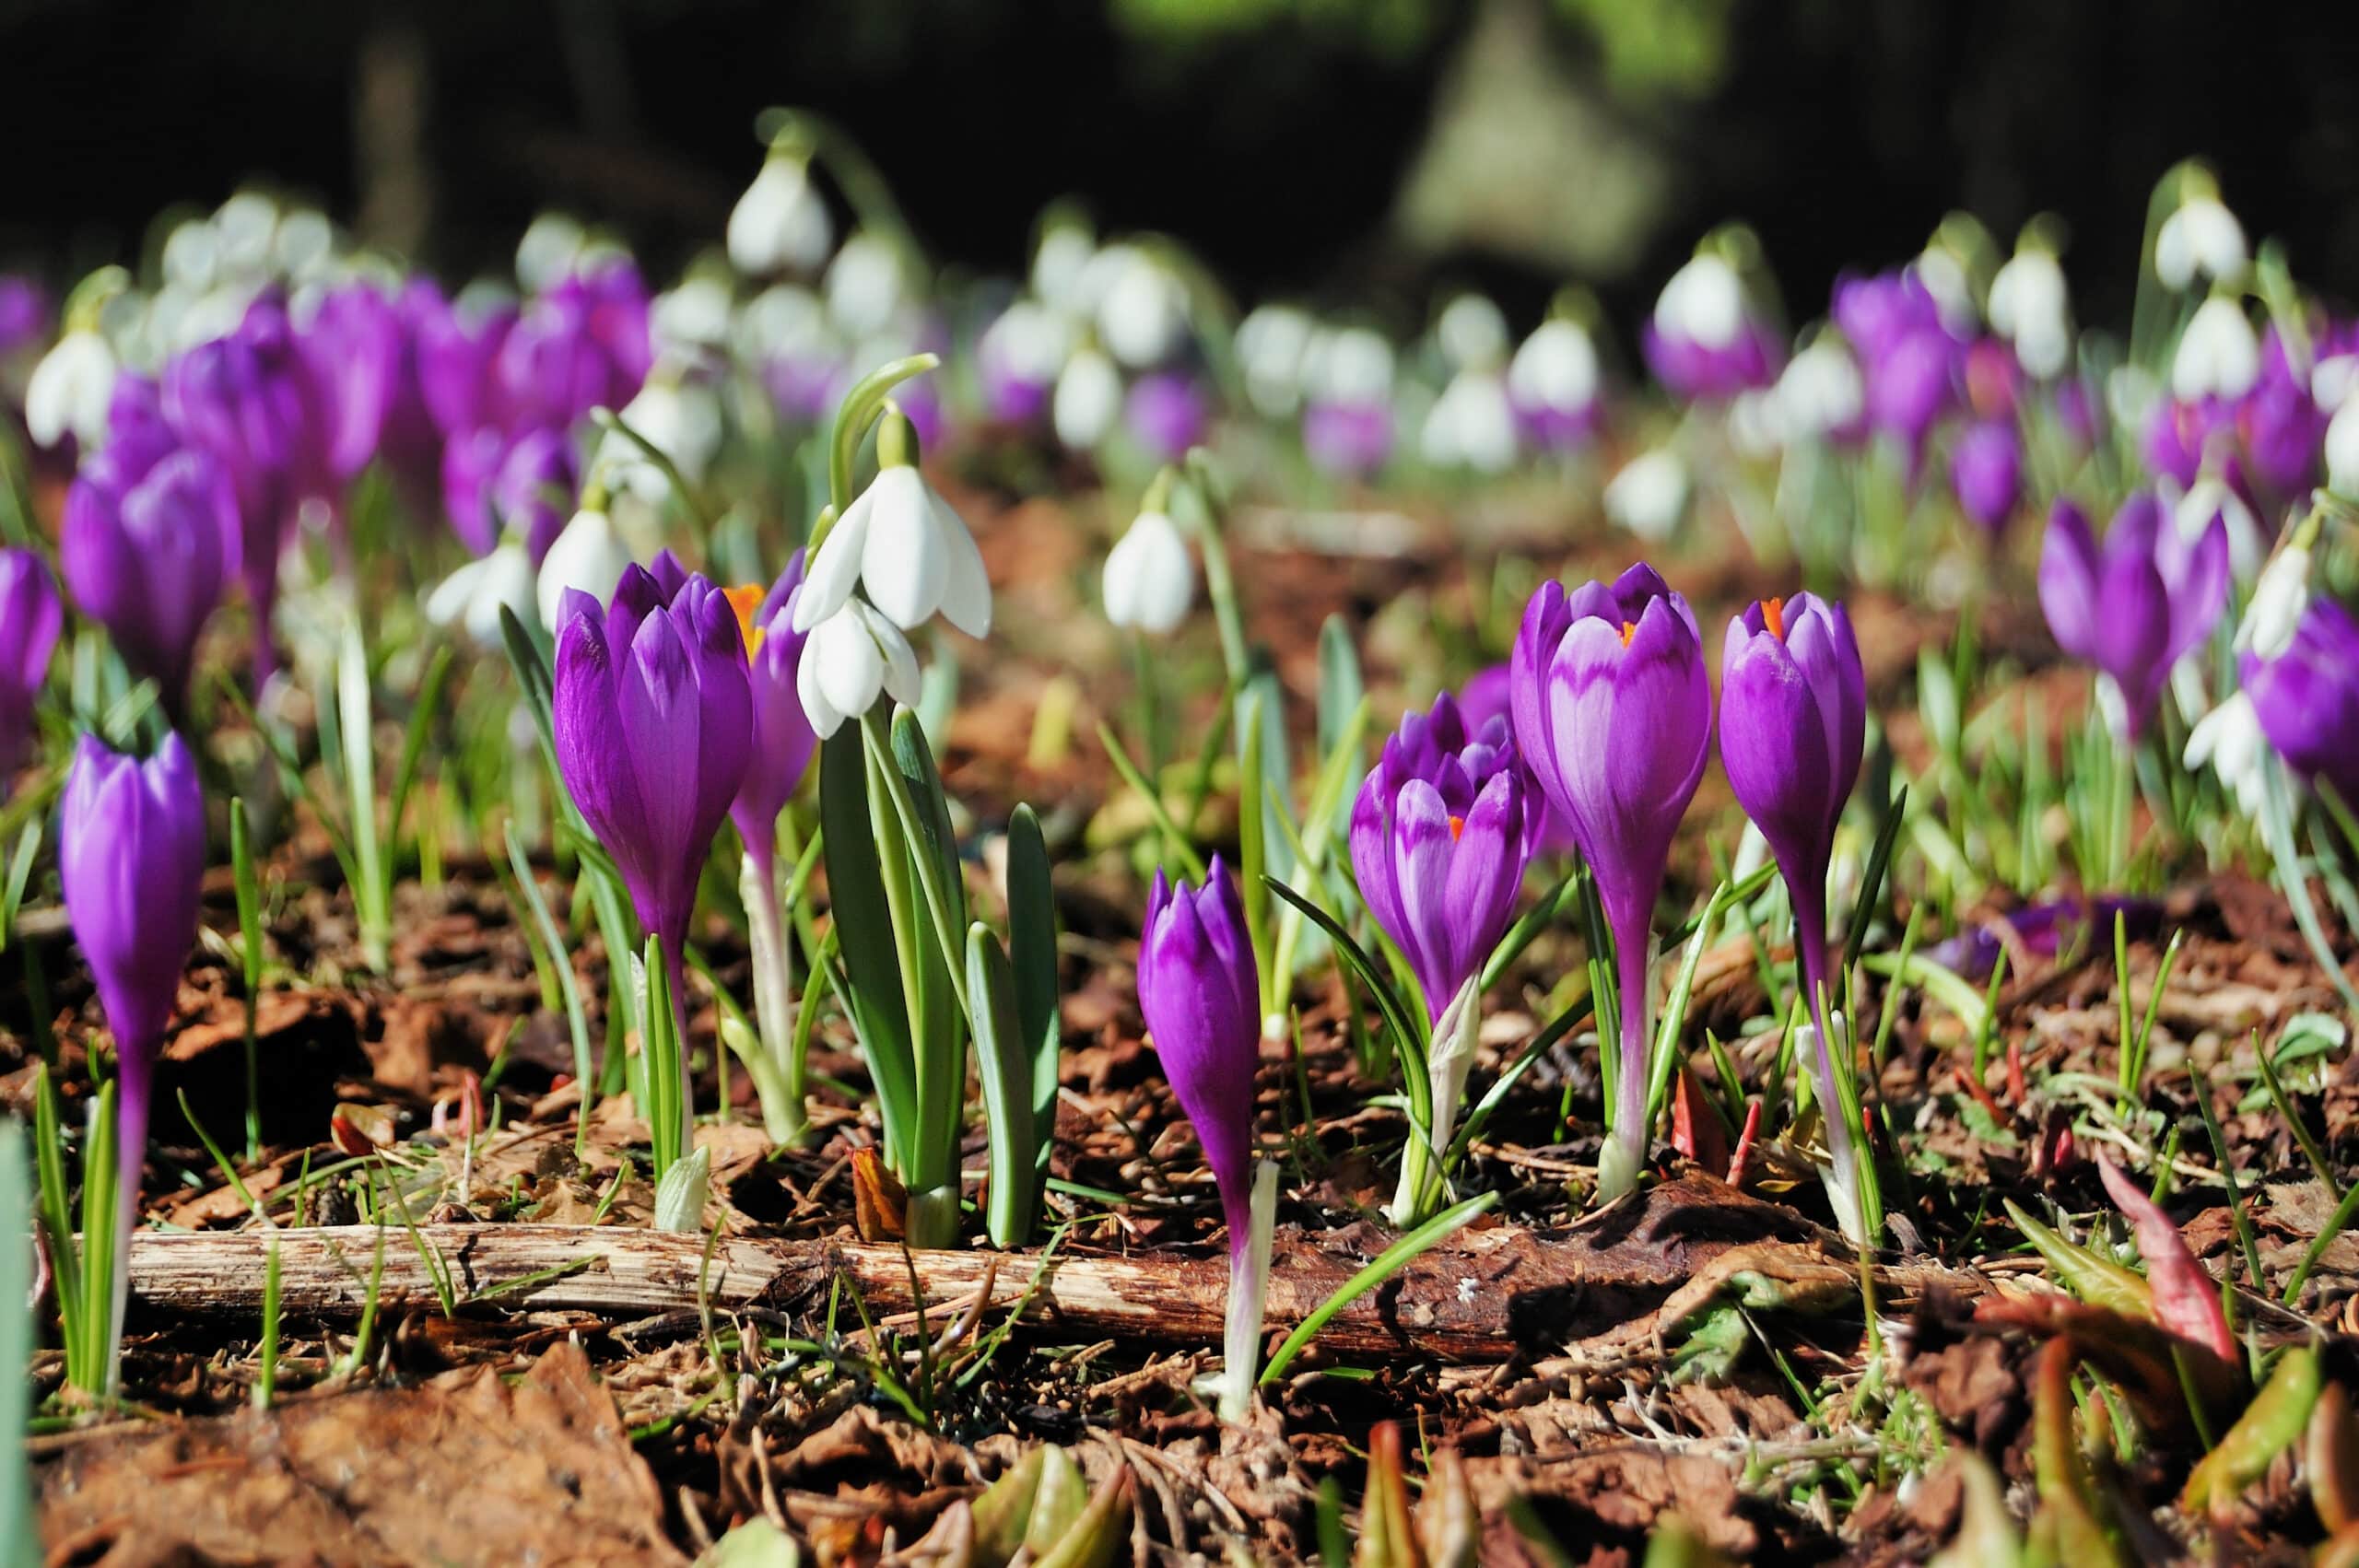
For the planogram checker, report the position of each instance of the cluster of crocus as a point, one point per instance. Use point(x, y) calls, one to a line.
point(131, 862)
point(2135, 605)
point(1613, 716)
point(2244, 429)
point(1793, 723)
point(31, 619)
point(1439, 838)
point(1199, 991)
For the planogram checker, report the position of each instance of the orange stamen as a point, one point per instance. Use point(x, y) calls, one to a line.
point(745, 600)
point(1773, 615)
point(1629, 630)
point(1457, 827)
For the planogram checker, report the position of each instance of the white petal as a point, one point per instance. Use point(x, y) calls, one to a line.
point(1150, 581)
point(590, 554)
point(966, 587)
point(1088, 396)
point(901, 658)
point(825, 715)
point(849, 667)
point(450, 597)
point(835, 573)
point(2342, 448)
point(901, 563)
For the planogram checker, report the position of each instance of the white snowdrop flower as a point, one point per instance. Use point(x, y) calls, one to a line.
point(2031, 307)
point(2229, 739)
point(1059, 263)
point(1821, 390)
point(1352, 366)
point(863, 286)
point(2343, 449)
point(1650, 494)
point(2218, 354)
point(679, 419)
point(1471, 425)
point(245, 223)
point(854, 656)
point(1472, 332)
point(589, 555)
point(2333, 380)
point(193, 256)
point(785, 319)
point(1944, 275)
point(2212, 497)
point(1273, 344)
point(1150, 581)
point(903, 544)
point(1028, 341)
point(2280, 600)
point(1555, 368)
point(1142, 316)
point(215, 314)
point(2202, 239)
point(303, 245)
point(1087, 400)
point(686, 320)
point(1757, 422)
point(69, 390)
point(472, 597)
point(548, 251)
point(1702, 303)
point(781, 224)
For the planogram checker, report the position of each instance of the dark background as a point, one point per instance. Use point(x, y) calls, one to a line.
point(1271, 134)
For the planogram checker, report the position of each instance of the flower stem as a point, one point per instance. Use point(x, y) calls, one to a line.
point(1808, 892)
point(1249, 1276)
point(1626, 1144)
point(773, 961)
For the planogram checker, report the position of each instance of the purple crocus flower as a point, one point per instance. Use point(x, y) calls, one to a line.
point(783, 741)
point(1793, 722)
point(1200, 992)
point(354, 345)
point(458, 344)
point(131, 862)
point(144, 559)
point(2308, 698)
point(1167, 414)
point(138, 436)
point(1614, 716)
point(2281, 425)
point(25, 315)
point(2044, 929)
point(1911, 363)
point(1439, 838)
point(1350, 441)
point(524, 481)
point(1987, 472)
point(582, 344)
point(31, 618)
point(2133, 607)
point(1490, 693)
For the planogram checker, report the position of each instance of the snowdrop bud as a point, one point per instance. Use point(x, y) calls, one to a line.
point(2218, 354)
point(303, 245)
point(854, 655)
point(245, 223)
point(2203, 239)
point(1143, 313)
point(781, 224)
point(2279, 601)
point(1273, 344)
point(1354, 366)
point(548, 251)
point(1472, 332)
point(472, 597)
point(589, 555)
point(1943, 274)
point(2343, 449)
point(686, 320)
point(193, 256)
point(1821, 392)
point(1650, 494)
point(1064, 254)
point(1088, 400)
point(863, 286)
point(2030, 307)
point(2229, 738)
point(1555, 368)
point(1150, 581)
point(70, 389)
point(1702, 303)
point(1471, 424)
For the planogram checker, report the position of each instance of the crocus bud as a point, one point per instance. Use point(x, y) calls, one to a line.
point(854, 656)
point(2218, 354)
point(781, 224)
point(1439, 837)
point(653, 726)
point(145, 560)
point(783, 739)
point(2202, 239)
point(589, 556)
point(2134, 607)
point(583, 344)
point(354, 344)
point(495, 481)
point(1150, 581)
point(2307, 699)
point(1200, 993)
point(31, 618)
point(1613, 717)
point(68, 392)
point(903, 544)
point(1987, 472)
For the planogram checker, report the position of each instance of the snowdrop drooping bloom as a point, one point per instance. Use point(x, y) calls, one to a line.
point(1087, 400)
point(2342, 448)
point(2229, 739)
point(1150, 581)
point(2202, 239)
point(1650, 494)
point(864, 286)
point(472, 597)
point(681, 420)
point(2031, 307)
point(853, 657)
point(1471, 425)
point(1273, 347)
point(1704, 339)
point(589, 555)
point(781, 224)
point(1017, 360)
point(903, 545)
point(2280, 600)
point(70, 389)
point(1553, 383)
point(1143, 309)
point(549, 251)
point(2218, 356)
point(1821, 393)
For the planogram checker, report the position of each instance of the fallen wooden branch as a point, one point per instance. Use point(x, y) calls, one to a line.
point(1481, 1295)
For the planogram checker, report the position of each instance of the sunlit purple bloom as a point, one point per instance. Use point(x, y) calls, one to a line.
point(1704, 338)
point(2138, 604)
point(138, 436)
point(582, 344)
point(1348, 440)
point(353, 344)
point(1439, 837)
point(653, 730)
point(1200, 992)
point(494, 481)
point(1166, 413)
point(2308, 698)
point(31, 618)
point(1987, 472)
point(25, 314)
point(2281, 425)
point(783, 741)
point(145, 560)
point(1614, 716)
point(458, 345)
point(1490, 693)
